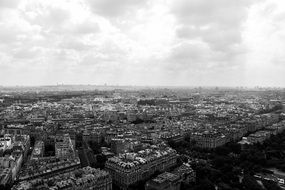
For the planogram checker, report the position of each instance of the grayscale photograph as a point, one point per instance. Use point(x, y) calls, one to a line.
point(142, 94)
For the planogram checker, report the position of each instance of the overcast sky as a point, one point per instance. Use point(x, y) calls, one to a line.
point(143, 42)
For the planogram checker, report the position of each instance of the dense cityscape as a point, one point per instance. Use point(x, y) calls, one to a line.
point(142, 95)
point(142, 138)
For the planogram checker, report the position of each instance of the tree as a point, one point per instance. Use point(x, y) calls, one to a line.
point(101, 160)
point(250, 183)
point(222, 150)
point(187, 138)
point(271, 185)
point(78, 173)
point(50, 183)
point(205, 184)
point(95, 147)
point(32, 140)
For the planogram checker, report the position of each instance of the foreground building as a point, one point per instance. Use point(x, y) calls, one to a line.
point(11, 160)
point(172, 180)
point(164, 181)
point(129, 168)
point(80, 179)
point(209, 140)
point(63, 146)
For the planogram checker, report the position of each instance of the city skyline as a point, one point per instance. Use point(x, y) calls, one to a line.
point(142, 43)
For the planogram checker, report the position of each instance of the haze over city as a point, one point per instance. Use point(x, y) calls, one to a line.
point(142, 94)
point(136, 42)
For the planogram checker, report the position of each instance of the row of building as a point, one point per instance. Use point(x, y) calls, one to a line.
point(79, 179)
point(261, 135)
point(129, 168)
point(172, 180)
point(13, 152)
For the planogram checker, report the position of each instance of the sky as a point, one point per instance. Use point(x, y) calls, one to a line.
point(143, 42)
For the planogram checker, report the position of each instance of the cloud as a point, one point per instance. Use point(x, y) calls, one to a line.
point(110, 8)
point(9, 3)
point(203, 12)
point(209, 37)
point(190, 54)
point(26, 53)
point(86, 27)
point(216, 22)
point(162, 42)
point(8, 34)
point(49, 17)
point(265, 39)
point(74, 44)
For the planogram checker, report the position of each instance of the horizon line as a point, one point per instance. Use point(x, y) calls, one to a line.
point(130, 85)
